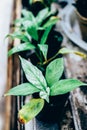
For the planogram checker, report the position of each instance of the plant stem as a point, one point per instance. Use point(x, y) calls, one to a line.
point(50, 59)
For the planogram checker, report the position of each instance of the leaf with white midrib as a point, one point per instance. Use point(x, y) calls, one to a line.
point(44, 50)
point(65, 86)
point(21, 47)
point(33, 74)
point(22, 89)
point(54, 71)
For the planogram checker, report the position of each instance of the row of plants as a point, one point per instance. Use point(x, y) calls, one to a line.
point(41, 58)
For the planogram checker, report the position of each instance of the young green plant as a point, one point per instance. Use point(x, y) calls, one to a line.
point(29, 30)
point(49, 85)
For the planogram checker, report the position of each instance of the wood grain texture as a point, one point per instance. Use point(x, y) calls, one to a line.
point(13, 75)
point(5, 18)
point(76, 67)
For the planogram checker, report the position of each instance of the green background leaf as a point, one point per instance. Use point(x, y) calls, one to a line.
point(32, 30)
point(28, 15)
point(21, 47)
point(20, 35)
point(45, 35)
point(53, 20)
point(67, 51)
point(41, 15)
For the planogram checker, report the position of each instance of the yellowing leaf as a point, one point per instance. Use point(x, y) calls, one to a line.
point(30, 110)
point(80, 54)
point(67, 51)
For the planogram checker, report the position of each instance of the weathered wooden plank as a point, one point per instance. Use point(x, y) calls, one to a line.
point(76, 67)
point(5, 17)
point(13, 76)
point(8, 99)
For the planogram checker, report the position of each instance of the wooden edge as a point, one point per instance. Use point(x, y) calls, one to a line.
point(8, 99)
point(75, 112)
point(8, 115)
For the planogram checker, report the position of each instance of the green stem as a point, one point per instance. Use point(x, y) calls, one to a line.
point(50, 59)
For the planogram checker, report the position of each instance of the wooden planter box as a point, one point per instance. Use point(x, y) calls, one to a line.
point(75, 109)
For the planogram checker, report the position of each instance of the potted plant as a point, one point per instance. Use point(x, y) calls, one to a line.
point(81, 12)
point(47, 86)
point(45, 75)
point(37, 33)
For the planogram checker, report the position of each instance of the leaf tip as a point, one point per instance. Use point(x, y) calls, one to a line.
point(21, 119)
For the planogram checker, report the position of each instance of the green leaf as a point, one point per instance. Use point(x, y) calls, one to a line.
point(42, 15)
point(32, 30)
point(53, 20)
point(18, 21)
point(27, 23)
point(54, 71)
point(44, 50)
point(33, 74)
point(20, 35)
point(64, 86)
point(30, 1)
point(30, 110)
point(45, 35)
point(67, 51)
point(21, 47)
point(45, 94)
point(22, 89)
point(28, 14)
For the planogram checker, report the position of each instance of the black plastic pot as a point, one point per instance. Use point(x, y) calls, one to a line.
point(54, 43)
point(34, 7)
point(25, 4)
point(25, 54)
point(53, 111)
